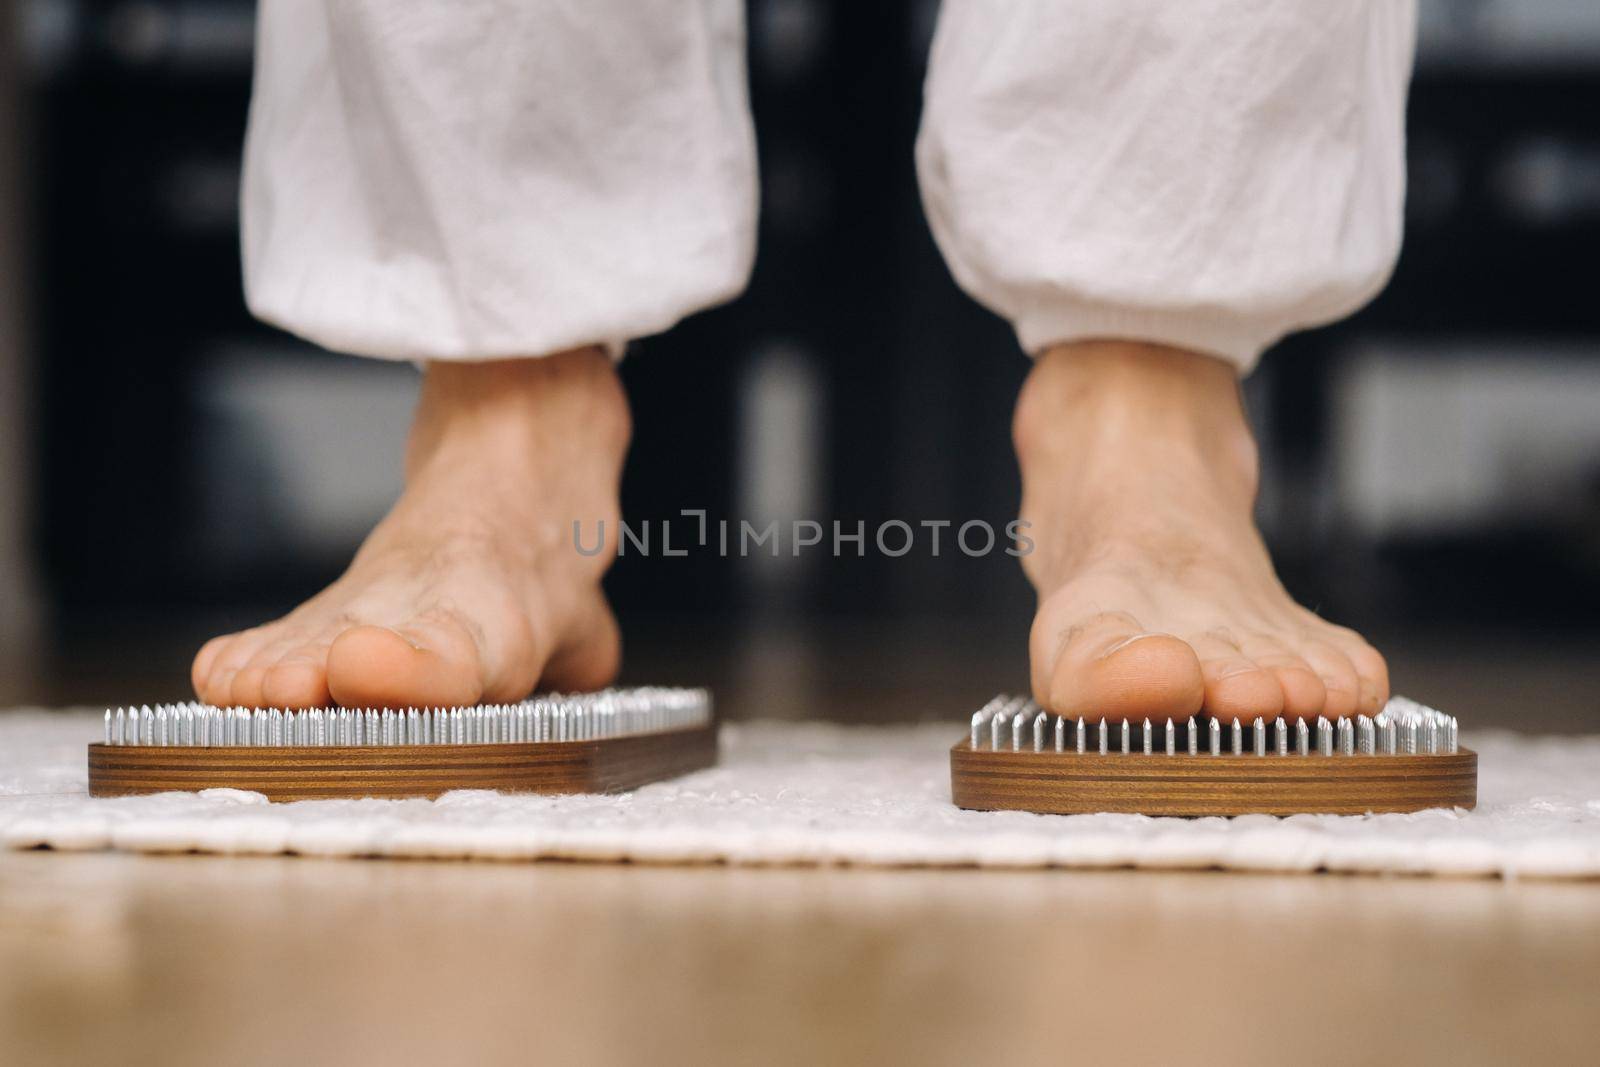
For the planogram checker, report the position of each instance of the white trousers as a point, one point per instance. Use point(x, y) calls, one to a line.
point(475, 179)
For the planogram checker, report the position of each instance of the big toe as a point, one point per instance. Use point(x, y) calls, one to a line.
point(1114, 670)
point(428, 666)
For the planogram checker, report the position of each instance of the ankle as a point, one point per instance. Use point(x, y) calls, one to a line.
point(506, 409)
point(1113, 405)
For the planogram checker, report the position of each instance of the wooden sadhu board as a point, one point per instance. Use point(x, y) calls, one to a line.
point(1071, 783)
point(607, 765)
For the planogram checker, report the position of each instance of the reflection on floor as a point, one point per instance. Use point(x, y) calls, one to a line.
point(200, 960)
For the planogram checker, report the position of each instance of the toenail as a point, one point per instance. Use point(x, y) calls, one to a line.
point(404, 637)
point(1120, 645)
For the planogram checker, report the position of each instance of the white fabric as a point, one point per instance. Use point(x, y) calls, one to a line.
point(821, 794)
point(1210, 174)
point(494, 178)
point(474, 179)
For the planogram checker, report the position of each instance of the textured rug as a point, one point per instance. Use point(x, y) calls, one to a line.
point(816, 794)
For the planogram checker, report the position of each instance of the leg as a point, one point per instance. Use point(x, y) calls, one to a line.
point(457, 183)
point(1153, 193)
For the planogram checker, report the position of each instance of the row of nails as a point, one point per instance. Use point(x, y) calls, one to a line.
point(1403, 727)
point(578, 717)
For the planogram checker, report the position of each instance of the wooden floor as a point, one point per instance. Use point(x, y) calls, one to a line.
point(194, 960)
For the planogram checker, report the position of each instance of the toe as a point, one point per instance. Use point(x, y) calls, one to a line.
point(227, 661)
point(1339, 678)
point(1236, 687)
point(204, 660)
point(431, 664)
point(1304, 695)
point(1372, 670)
point(245, 690)
point(298, 680)
point(589, 661)
point(1110, 667)
point(218, 689)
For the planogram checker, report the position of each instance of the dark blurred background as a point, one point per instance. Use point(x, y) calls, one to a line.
point(170, 468)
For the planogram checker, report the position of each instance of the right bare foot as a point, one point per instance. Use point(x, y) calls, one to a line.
point(471, 588)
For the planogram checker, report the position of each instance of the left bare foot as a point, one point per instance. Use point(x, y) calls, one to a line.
point(1156, 594)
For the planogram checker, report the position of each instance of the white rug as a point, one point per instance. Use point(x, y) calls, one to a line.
point(816, 794)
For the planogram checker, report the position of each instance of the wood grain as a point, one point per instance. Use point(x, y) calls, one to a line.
point(289, 773)
point(1069, 783)
point(264, 961)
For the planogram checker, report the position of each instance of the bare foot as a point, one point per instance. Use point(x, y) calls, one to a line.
point(1156, 594)
point(471, 588)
